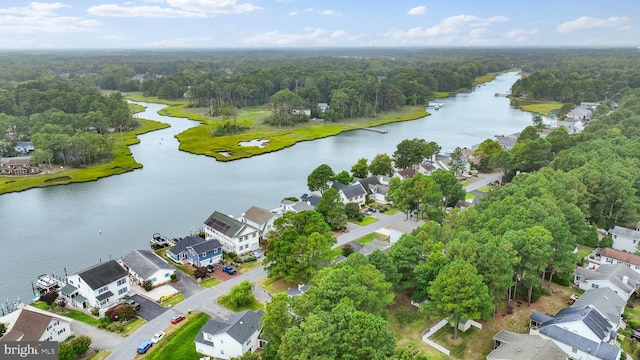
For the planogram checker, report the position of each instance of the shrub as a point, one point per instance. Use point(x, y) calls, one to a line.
point(536, 293)
point(231, 255)
point(546, 291)
point(563, 279)
point(347, 250)
point(174, 277)
point(200, 272)
point(95, 311)
point(126, 312)
point(147, 285)
point(49, 297)
point(81, 344)
point(250, 259)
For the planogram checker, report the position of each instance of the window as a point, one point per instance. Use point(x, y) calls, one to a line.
point(574, 350)
point(61, 331)
point(154, 280)
point(204, 254)
point(122, 281)
point(167, 275)
point(123, 291)
point(104, 289)
point(595, 286)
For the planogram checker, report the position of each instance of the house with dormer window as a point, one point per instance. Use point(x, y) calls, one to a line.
point(625, 239)
point(233, 235)
point(196, 251)
point(33, 324)
point(229, 339)
point(102, 286)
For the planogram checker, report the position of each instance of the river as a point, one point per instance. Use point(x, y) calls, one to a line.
point(71, 227)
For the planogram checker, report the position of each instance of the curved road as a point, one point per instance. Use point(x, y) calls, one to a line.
point(206, 300)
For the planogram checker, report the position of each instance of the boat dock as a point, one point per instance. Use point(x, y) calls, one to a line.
point(161, 241)
point(379, 131)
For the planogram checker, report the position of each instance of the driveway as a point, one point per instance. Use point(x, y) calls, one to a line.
point(100, 339)
point(187, 286)
point(149, 310)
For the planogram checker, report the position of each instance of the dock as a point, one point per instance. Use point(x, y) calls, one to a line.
point(379, 131)
point(161, 241)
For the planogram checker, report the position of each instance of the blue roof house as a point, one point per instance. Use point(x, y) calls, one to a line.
point(205, 253)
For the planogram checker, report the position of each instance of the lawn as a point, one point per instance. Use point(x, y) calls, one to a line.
point(101, 355)
point(209, 283)
point(254, 305)
point(469, 196)
point(366, 221)
point(132, 326)
point(73, 314)
point(275, 284)
point(174, 300)
point(179, 341)
point(370, 237)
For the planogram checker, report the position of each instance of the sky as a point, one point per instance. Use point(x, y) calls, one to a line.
point(171, 24)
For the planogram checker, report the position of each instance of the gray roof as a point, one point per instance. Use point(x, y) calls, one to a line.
point(102, 274)
point(206, 246)
point(350, 191)
point(104, 295)
point(605, 300)
point(258, 215)
point(240, 328)
point(186, 242)
point(585, 314)
point(369, 183)
point(630, 233)
point(68, 289)
point(614, 273)
point(298, 290)
point(225, 224)
point(301, 206)
point(514, 346)
point(602, 350)
point(539, 317)
point(145, 263)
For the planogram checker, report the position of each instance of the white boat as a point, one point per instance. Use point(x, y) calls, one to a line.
point(46, 283)
point(435, 104)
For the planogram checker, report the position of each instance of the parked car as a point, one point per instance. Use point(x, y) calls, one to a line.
point(132, 303)
point(210, 268)
point(635, 335)
point(144, 347)
point(157, 337)
point(256, 254)
point(229, 269)
point(176, 319)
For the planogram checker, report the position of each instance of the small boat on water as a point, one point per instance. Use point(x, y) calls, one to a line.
point(435, 105)
point(46, 283)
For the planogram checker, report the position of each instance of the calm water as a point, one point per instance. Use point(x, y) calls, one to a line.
point(75, 226)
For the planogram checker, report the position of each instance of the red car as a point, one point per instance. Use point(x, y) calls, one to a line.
point(176, 319)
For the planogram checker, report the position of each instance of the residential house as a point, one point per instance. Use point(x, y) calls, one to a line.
point(196, 251)
point(19, 166)
point(405, 173)
point(311, 199)
point(102, 285)
point(618, 277)
point(508, 345)
point(233, 235)
point(301, 110)
point(613, 256)
point(573, 126)
point(32, 324)
point(375, 189)
point(507, 141)
point(323, 107)
point(607, 302)
point(351, 193)
point(295, 206)
point(579, 113)
point(299, 290)
point(259, 218)
point(145, 265)
point(625, 239)
point(24, 147)
point(225, 340)
point(581, 332)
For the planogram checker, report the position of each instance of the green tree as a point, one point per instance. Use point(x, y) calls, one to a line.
point(384, 263)
point(343, 177)
point(427, 271)
point(65, 351)
point(352, 210)
point(360, 169)
point(242, 294)
point(411, 152)
point(382, 164)
point(319, 178)
point(3, 329)
point(125, 312)
point(247, 356)
point(298, 245)
point(451, 188)
point(80, 344)
point(456, 161)
point(277, 319)
point(485, 151)
point(332, 209)
point(406, 253)
point(459, 291)
point(537, 121)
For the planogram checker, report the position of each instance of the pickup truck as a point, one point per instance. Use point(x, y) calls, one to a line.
point(229, 269)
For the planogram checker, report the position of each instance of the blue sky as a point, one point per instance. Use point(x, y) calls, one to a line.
point(162, 24)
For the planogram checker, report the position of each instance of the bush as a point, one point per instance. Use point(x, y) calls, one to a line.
point(347, 250)
point(147, 285)
point(250, 259)
point(546, 291)
point(231, 255)
point(563, 279)
point(95, 311)
point(81, 344)
point(49, 297)
point(200, 272)
point(174, 277)
point(536, 293)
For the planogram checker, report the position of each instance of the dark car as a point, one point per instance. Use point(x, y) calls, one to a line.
point(132, 303)
point(636, 335)
point(229, 269)
point(176, 319)
point(144, 347)
point(210, 268)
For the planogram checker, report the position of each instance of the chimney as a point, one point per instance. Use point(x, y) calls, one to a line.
point(625, 279)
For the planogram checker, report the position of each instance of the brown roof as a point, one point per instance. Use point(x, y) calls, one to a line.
point(30, 324)
point(623, 256)
point(258, 215)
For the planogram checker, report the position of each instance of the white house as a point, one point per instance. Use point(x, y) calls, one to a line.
point(323, 107)
point(625, 239)
point(233, 235)
point(607, 302)
point(613, 256)
point(618, 277)
point(225, 340)
point(301, 110)
point(32, 324)
point(508, 345)
point(295, 206)
point(581, 332)
point(144, 265)
point(259, 218)
point(24, 147)
point(102, 286)
point(351, 193)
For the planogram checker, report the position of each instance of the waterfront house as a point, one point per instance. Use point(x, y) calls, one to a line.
point(618, 277)
point(145, 265)
point(295, 206)
point(323, 107)
point(375, 188)
point(32, 324)
point(259, 218)
point(508, 345)
point(102, 285)
point(625, 239)
point(581, 332)
point(19, 166)
point(351, 193)
point(405, 173)
point(225, 340)
point(233, 235)
point(196, 251)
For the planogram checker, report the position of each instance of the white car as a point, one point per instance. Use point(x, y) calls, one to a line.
point(157, 337)
point(256, 254)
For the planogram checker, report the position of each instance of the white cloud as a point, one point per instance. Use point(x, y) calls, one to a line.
point(308, 37)
point(418, 10)
point(323, 12)
point(588, 22)
point(293, 13)
point(175, 9)
point(113, 37)
point(454, 25)
point(42, 17)
point(179, 42)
